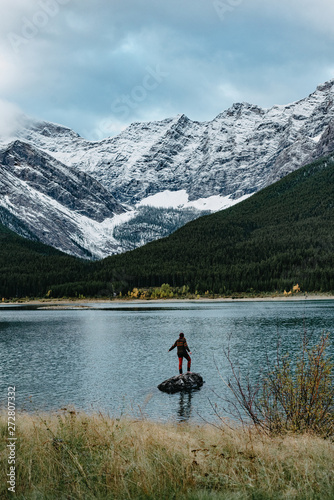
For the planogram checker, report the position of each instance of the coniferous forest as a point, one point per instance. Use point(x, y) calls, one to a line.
point(280, 236)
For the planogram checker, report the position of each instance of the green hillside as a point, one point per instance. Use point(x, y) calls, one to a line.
point(281, 236)
point(27, 267)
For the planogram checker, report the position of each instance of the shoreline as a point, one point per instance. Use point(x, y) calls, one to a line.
point(74, 302)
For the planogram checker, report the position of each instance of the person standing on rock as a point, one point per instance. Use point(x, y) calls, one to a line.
point(182, 348)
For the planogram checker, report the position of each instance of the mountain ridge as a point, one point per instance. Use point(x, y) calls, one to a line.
point(215, 163)
point(161, 154)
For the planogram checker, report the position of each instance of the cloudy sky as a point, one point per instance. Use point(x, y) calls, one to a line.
point(98, 65)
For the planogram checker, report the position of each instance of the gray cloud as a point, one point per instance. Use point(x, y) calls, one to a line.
point(10, 118)
point(98, 66)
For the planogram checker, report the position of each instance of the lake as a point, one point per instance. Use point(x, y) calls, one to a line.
point(110, 357)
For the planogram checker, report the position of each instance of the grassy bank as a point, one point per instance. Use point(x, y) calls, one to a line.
point(75, 456)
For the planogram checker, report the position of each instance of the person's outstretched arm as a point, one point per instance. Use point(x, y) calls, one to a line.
point(173, 346)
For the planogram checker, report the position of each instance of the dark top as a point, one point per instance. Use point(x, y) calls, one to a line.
point(182, 347)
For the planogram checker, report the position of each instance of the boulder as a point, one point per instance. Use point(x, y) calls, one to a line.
point(184, 382)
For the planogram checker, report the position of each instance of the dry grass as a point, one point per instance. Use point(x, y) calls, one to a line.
point(76, 456)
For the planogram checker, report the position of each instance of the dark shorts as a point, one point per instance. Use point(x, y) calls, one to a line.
point(183, 355)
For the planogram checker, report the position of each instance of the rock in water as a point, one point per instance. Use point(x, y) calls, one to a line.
point(184, 382)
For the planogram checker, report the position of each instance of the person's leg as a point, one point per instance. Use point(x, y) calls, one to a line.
point(188, 358)
point(180, 365)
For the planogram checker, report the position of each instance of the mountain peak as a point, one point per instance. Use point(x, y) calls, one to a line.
point(50, 129)
point(182, 118)
point(327, 86)
point(239, 108)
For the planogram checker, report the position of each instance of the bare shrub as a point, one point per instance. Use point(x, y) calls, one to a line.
point(291, 395)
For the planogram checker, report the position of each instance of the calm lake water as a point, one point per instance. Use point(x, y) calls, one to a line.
point(111, 357)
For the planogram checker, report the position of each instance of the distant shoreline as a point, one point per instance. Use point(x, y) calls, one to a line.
point(82, 302)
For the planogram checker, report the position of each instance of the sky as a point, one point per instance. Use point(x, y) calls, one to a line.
point(96, 66)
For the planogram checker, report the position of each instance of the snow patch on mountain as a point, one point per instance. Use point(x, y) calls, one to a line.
point(98, 237)
point(317, 138)
point(180, 199)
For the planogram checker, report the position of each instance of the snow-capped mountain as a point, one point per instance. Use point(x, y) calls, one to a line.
point(45, 200)
point(178, 163)
point(242, 150)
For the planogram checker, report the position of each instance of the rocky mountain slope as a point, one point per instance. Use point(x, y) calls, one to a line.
point(174, 165)
point(42, 199)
